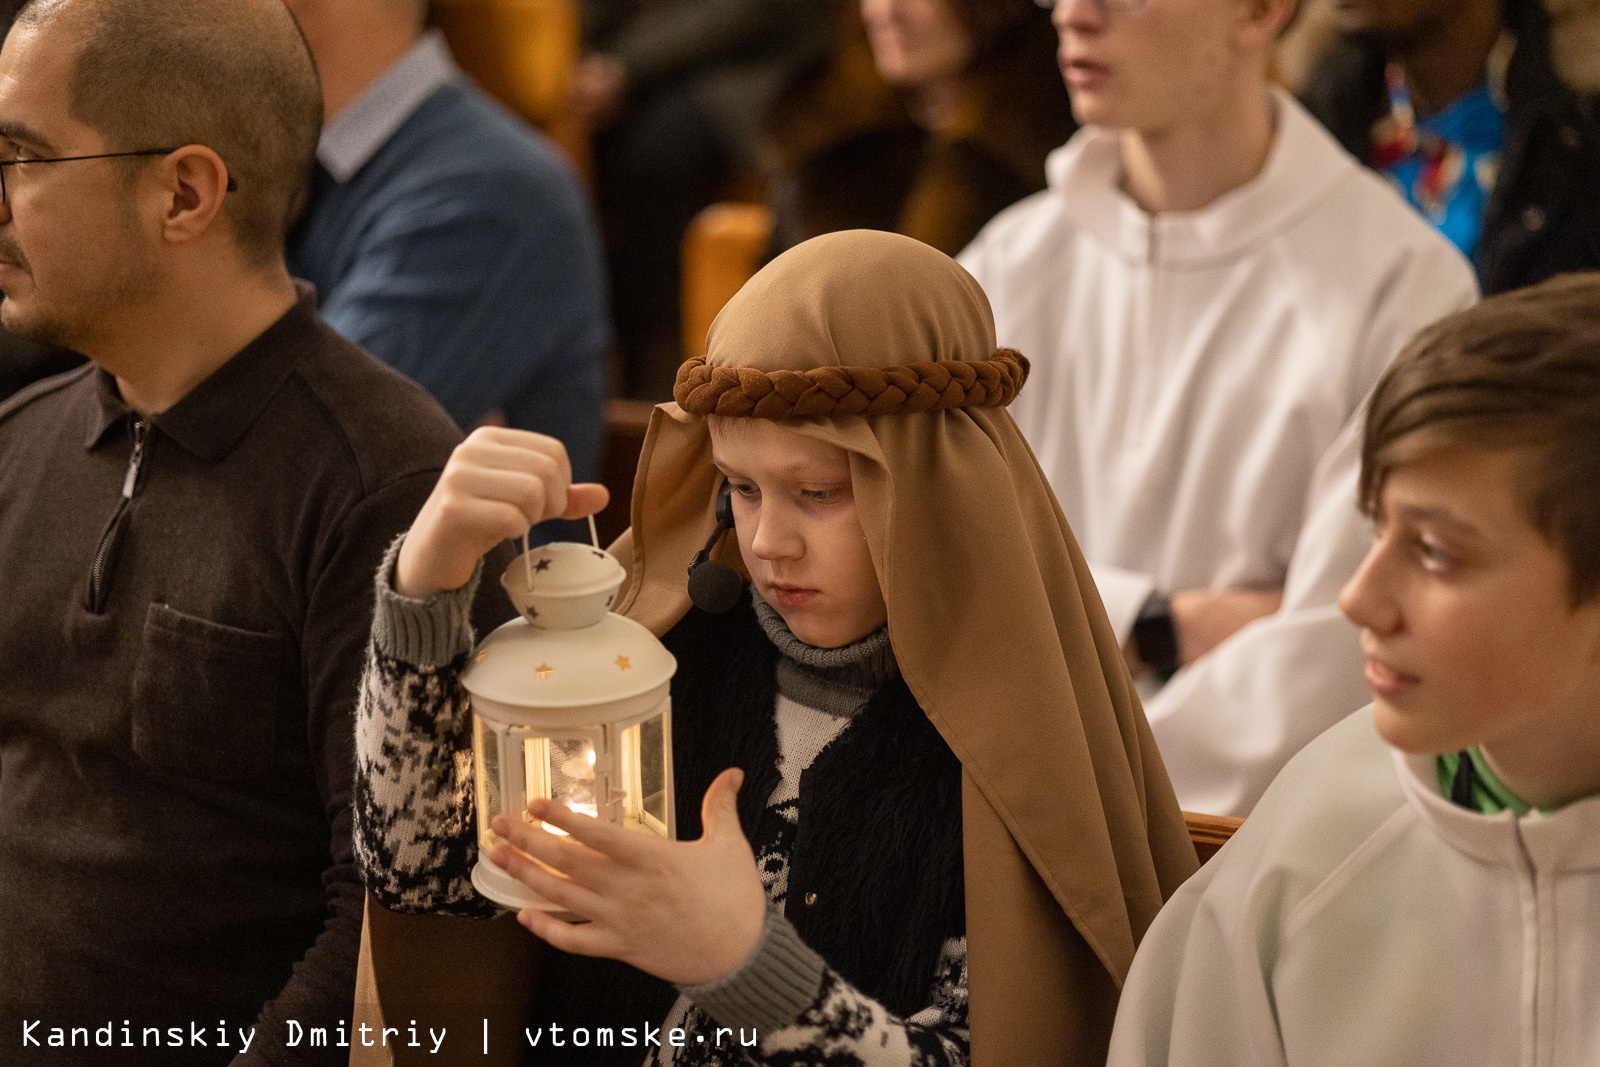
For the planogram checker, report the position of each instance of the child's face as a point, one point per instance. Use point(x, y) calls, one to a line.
point(798, 530)
point(1466, 616)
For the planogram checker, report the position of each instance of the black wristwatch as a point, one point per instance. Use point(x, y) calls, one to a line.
point(1155, 638)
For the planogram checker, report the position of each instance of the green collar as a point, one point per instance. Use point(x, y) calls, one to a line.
point(1489, 795)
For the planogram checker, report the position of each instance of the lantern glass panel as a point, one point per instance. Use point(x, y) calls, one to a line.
point(620, 774)
point(486, 747)
point(647, 774)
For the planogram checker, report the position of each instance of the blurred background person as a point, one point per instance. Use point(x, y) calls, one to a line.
point(678, 91)
point(930, 117)
point(1482, 113)
point(1208, 290)
point(446, 235)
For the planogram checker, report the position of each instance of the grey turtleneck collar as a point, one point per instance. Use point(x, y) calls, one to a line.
point(838, 681)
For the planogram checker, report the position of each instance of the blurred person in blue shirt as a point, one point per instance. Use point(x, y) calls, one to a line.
point(447, 236)
point(1483, 114)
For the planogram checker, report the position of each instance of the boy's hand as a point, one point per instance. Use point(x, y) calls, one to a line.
point(498, 482)
point(685, 911)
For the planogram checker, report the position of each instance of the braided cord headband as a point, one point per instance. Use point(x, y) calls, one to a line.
point(823, 392)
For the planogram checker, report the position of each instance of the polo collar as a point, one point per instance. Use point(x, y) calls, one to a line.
point(211, 420)
point(350, 141)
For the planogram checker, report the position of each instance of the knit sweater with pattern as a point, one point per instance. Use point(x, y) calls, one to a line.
point(784, 1005)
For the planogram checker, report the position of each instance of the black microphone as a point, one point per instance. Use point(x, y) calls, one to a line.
point(714, 586)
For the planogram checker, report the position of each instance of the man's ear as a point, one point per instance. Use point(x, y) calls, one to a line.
point(194, 181)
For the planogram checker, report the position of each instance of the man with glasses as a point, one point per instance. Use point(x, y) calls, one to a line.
point(188, 531)
point(1208, 289)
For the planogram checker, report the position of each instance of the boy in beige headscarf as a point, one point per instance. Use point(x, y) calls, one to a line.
point(961, 826)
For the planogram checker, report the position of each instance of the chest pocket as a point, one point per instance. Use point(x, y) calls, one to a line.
point(205, 697)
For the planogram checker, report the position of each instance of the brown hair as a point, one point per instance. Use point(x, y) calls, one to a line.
point(234, 75)
point(1520, 370)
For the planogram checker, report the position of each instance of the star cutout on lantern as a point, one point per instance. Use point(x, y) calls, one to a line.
point(543, 670)
point(542, 566)
point(599, 554)
point(623, 664)
point(533, 612)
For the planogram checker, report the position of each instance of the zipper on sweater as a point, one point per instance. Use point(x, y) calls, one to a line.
point(105, 555)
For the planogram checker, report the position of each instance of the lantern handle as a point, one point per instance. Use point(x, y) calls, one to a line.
point(527, 553)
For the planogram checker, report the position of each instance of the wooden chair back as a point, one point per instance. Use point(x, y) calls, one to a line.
point(723, 247)
point(1210, 832)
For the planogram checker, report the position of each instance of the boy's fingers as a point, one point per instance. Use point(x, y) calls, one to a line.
point(560, 891)
point(527, 494)
point(585, 498)
point(609, 840)
point(719, 810)
point(519, 450)
point(442, 548)
point(578, 862)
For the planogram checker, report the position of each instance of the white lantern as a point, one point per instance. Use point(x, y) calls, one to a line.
point(569, 702)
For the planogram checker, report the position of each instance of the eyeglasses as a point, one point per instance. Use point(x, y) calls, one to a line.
point(1103, 5)
point(233, 186)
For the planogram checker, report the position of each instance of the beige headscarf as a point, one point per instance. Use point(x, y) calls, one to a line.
point(1073, 837)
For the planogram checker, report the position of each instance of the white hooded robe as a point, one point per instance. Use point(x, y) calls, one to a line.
point(1361, 919)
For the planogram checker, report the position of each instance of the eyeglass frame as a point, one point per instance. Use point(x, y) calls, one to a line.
point(5, 197)
point(1120, 6)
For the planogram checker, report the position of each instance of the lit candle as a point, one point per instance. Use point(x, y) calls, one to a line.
point(591, 810)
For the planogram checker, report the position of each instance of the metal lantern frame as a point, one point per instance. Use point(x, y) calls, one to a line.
point(570, 702)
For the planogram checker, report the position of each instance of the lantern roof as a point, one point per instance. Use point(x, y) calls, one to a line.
point(569, 660)
point(611, 671)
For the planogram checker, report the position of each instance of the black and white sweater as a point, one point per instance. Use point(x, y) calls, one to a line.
point(415, 844)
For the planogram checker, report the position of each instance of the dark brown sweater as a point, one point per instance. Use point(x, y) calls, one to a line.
point(176, 738)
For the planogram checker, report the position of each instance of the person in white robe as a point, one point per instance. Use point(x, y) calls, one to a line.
point(1208, 289)
point(1421, 884)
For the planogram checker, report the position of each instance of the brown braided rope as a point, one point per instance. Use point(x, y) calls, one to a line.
point(823, 392)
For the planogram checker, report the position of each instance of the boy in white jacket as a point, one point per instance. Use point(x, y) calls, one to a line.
point(1208, 289)
point(1421, 885)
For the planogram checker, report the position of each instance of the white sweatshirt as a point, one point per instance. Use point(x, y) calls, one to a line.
point(1192, 376)
point(1360, 919)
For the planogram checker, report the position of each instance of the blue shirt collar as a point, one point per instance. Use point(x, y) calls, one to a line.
point(354, 137)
